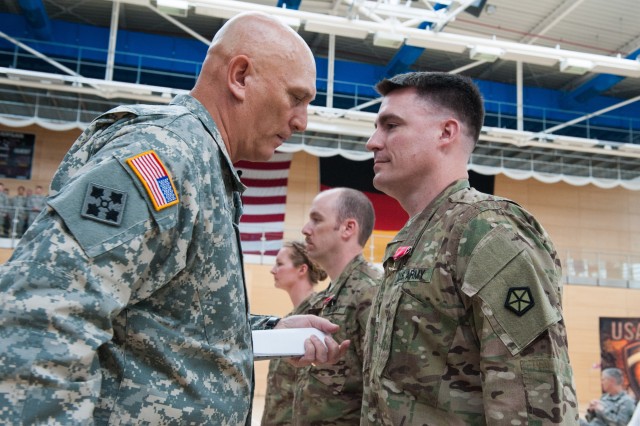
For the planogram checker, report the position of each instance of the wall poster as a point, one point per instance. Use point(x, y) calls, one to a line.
point(16, 155)
point(620, 347)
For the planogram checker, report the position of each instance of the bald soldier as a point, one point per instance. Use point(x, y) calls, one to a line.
point(125, 301)
point(467, 327)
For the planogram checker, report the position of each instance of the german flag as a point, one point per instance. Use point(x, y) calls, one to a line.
point(338, 171)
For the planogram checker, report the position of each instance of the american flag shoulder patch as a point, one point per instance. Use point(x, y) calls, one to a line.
point(155, 178)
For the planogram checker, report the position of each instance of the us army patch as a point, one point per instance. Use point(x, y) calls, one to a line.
point(104, 204)
point(519, 300)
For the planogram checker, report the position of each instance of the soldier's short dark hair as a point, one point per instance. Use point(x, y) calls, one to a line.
point(457, 93)
point(353, 204)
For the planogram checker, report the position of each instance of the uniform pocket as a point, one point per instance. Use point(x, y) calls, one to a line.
point(514, 290)
point(549, 390)
point(419, 342)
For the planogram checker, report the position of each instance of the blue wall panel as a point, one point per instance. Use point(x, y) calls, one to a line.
point(175, 61)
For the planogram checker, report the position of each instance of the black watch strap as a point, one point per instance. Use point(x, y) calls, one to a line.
point(271, 323)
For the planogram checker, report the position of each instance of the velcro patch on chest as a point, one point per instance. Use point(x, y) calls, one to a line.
point(155, 178)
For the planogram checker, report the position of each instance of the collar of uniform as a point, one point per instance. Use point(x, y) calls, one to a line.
point(411, 232)
point(334, 287)
point(193, 105)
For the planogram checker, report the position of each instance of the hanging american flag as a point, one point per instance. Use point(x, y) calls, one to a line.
point(262, 223)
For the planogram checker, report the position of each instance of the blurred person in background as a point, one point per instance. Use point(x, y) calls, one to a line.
point(296, 274)
point(36, 202)
point(615, 406)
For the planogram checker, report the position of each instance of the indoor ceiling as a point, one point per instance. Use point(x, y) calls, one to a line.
point(592, 26)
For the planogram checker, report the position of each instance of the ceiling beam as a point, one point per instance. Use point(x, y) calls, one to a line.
point(513, 51)
point(550, 21)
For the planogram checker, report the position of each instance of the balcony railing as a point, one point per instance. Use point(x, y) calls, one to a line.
point(182, 74)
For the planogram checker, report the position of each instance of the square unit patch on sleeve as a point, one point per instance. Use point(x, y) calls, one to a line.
point(103, 204)
point(155, 178)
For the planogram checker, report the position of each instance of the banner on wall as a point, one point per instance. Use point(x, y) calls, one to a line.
point(620, 348)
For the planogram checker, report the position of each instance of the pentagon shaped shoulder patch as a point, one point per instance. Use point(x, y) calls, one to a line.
point(104, 204)
point(154, 177)
point(519, 300)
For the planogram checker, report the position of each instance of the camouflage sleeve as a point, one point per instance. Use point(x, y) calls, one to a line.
point(278, 404)
point(513, 288)
point(259, 322)
point(364, 295)
point(76, 268)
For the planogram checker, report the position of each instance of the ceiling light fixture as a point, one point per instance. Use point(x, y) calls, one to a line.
point(173, 7)
point(386, 39)
point(337, 29)
point(485, 53)
point(576, 66)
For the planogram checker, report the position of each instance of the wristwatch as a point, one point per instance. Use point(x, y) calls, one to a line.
point(271, 323)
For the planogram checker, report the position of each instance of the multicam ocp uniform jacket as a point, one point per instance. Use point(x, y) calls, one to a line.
point(332, 395)
point(278, 403)
point(125, 301)
point(467, 327)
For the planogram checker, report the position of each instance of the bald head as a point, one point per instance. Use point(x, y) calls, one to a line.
point(256, 82)
point(252, 32)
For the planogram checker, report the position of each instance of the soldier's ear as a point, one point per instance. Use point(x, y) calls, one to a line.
point(238, 70)
point(449, 131)
point(302, 269)
point(350, 228)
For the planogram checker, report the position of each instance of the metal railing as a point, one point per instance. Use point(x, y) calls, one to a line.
point(179, 73)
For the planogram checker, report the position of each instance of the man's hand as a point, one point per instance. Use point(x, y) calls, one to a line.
point(597, 405)
point(315, 351)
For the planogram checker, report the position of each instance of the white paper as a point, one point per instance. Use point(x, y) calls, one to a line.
point(284, 342)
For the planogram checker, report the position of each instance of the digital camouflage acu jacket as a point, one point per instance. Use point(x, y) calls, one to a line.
point(467, 327)
point(125, 301)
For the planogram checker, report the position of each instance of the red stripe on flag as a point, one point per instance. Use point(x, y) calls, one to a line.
point(266, 252)
point(264, 183)
point(276, 199)
point(268, 236)
point(262, 218)
point(276, 165)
